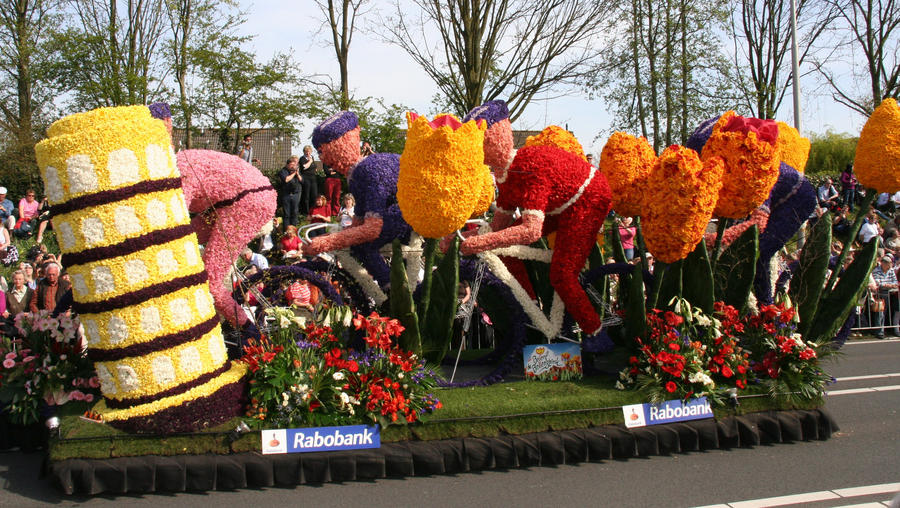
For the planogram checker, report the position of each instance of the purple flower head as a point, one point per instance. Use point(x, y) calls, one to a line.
point(491, 112)
point(701, 135)
point(160, 110)
point(333, 128)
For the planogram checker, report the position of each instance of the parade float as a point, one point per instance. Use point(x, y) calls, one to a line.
point(135, 390)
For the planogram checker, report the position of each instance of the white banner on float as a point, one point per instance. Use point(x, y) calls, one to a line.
point(320, 439)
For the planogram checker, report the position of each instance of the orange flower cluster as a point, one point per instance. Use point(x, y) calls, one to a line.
point(558, 137)
point(626, 161)
point(749, 148)
point(878, 150)
point(793, 148)
point(682, 193)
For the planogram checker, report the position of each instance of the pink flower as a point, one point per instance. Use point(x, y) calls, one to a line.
point(9, 363)
point(89, 397)
point(28, 359)
point(94, 382)
point(10, 355)
point(76, 395)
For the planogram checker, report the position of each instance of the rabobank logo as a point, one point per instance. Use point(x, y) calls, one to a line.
point(320, 439)
point(639, 415)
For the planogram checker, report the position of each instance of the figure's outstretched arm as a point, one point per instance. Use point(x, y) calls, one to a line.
point(528, 231)
point(367, 231)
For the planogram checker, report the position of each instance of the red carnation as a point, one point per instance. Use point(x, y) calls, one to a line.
point(671, 387)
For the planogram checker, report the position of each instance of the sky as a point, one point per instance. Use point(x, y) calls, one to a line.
point(379, 69)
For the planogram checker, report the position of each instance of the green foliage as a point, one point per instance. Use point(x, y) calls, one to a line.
point(736, 268)
point(835, 306)
point(808, 281)
point(830, 153)
point(437, 329)
point(697, 279)
point(403, 308)
point(671, 285)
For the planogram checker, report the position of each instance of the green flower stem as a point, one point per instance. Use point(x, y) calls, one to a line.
point(429, 252)
point(854, 231)
point(717, 248)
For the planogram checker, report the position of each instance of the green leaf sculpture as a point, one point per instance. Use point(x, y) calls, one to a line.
point(697, 279)
point(735, 269)
point(834, 308)
point(403, 308)
point(809, 280)
point(438, 327)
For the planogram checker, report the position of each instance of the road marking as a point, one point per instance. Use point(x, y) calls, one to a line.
point(879, 341)
point(873, 376)
point(864, 390)
point(811, 497)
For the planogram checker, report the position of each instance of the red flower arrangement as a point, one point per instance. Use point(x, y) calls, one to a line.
point(310, 378)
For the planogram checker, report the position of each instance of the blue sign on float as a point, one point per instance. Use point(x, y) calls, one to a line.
point(320, 439)
point(670, 411)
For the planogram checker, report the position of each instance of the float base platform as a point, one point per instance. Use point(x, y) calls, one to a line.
point(179, 473)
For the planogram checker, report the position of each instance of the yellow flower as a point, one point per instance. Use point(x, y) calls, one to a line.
point(443, 180)
point(681, 194)
point(558, 137)
point(626, 161)
point(877, 161)
point(748, 147)
point(793, 149)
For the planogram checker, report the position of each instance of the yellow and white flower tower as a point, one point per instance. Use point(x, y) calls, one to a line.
point(139, 284)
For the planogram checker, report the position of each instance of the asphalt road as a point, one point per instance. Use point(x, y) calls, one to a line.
point(865, 453)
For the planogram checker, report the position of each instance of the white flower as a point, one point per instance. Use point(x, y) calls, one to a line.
point(701, 377)
point(702, 320)
point(284, 322)
point(400, 375)
point(348, 316)
point(345, 399)
point(338, 376)
point(300, 321)
point(619, 385)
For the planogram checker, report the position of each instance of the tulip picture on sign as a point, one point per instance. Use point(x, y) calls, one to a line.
point(552, 362)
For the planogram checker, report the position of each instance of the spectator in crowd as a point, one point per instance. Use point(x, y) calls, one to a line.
point(590, 159)
point(290, 243)
point(299, 297)
point(319, 214)
point(886, 281)
point(828, 195)
point(333, 190)
point(626, 233)
point(253, 259)
point(28, 270)
point(7, 209)
point(649, 262)
point(18, 297)
point(883, 205)
point(246, 150)
point(848, 186)
point(50, 289)
point(366, 149)
point(290, 188)
point(870, 228)
point(345, 216)
point(31, 214)
point(840, 226)
point(310, 185)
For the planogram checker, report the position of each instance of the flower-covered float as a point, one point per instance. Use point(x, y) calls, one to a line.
point(700, 324)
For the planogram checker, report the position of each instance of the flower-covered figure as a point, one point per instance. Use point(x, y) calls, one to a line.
point(373, 182)
point(232, 201)
point(877, 160)
point(559, 191)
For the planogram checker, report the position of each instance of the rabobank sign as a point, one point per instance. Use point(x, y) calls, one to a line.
point(320, 439)
point(639, 415)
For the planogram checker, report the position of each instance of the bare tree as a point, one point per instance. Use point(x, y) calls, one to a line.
point(341, 17)
point(761, 32)
point(510, 49)
point(190, 24)
point(868, 27)
point(665, 72)
point(109, 55)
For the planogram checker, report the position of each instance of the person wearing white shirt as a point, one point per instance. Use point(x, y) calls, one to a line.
point(257, 260)
point(870, 229)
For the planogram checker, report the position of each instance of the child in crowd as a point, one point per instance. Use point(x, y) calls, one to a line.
point(345, 216)
point(319, 214)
